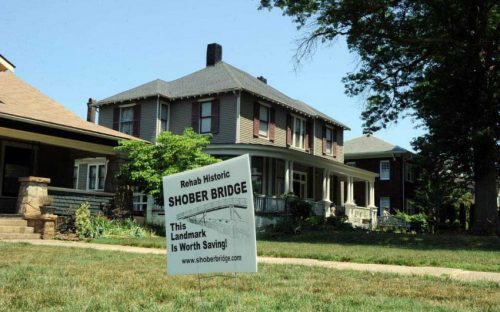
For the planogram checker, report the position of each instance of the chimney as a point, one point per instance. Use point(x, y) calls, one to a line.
point(91, 110)
point(5, 64)
point(214, 54)
point(261, 78)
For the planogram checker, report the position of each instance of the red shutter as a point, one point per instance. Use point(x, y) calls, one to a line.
point(306, 137)
point(309, 136)
point(256, 120)
point(272, 124)
point(136, 126)
point(324, 140)
point(195, 117)
point(288, 130)
point(214, 127)
point(116, 118)
point(335, 143)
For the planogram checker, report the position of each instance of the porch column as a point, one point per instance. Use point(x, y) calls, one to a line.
point(371, 201)
point(288, 176)
point(342, 187)
point(367, 194)
point(350, 190)
point(326, 185)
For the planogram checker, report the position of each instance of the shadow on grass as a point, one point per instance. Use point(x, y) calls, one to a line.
point(405, 241)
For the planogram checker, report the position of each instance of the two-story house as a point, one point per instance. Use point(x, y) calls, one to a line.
point(394, 188)
point(294, 148)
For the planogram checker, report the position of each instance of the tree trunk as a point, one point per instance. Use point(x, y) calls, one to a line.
point(486, 219)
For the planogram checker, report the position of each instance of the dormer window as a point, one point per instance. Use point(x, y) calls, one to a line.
point(205, 117)
point(126, 119)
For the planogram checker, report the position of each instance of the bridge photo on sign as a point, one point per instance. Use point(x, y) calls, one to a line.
point(209, 216)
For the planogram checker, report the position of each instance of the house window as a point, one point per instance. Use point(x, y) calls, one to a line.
point(409, 172)
point(127, 119)
point(257, 173)
point(96, 177)
point(351, 163)
point(385, 170)
point(384, 205)
point(299, 130)
point(300, 184)
point(75, 177)
point(280, 177)
point(205, 117)
point(263, 120)
point(163, 117)
point(329, 141)
point(140, 202)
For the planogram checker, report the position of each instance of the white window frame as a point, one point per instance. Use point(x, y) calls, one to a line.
point(409, 173)
point(268, 121)
point(139, 203)
point(201, 118)
point(302, 180)
point(385, 171)
point(130, 122)
point(162, 105)
point(97, 165)
point(384, 199)
point(329, 129)
point(302, 132)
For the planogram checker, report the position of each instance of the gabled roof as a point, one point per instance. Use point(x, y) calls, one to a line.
point(21, 101)
point(215, 79)
point(369, 145)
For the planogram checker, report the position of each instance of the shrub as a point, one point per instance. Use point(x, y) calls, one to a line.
point(315, 222)
point(418, 222)
point(299, 209)
point(82, 221)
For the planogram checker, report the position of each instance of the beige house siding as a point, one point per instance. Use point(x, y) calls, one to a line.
point(318, 141)
point(246, 123)
point(147, 128)
point(180, 112)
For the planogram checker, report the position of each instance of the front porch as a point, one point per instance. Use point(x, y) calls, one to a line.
point(327, 184)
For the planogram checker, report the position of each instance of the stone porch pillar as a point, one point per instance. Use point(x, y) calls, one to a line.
point(31, 192)
point(287, 176)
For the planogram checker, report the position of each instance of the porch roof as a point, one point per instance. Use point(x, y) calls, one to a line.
point(22, 102)
point(291, 154)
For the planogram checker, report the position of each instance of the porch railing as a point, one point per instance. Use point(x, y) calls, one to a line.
point(269, 204)
point(392, 221)
point(361, 216)
point(69, 199)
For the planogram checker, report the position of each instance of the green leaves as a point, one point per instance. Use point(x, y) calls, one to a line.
point(148, 163)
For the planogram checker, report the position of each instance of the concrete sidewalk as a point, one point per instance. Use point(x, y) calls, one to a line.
point(457, 274)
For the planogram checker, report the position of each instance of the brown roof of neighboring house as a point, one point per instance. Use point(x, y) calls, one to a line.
point(19, 100)
point(369, 145)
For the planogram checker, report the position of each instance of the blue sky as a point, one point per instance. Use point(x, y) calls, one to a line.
point(73, 50)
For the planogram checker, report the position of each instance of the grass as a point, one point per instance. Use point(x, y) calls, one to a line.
point(36, 278)
point(466, 252)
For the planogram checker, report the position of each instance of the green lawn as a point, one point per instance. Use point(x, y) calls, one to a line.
point(36, 278)
point(454, 251)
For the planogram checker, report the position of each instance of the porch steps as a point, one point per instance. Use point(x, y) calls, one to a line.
point(14, 227)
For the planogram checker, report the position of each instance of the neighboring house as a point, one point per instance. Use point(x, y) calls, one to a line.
point(40, 137)
point(293, 147)
point(394, 188)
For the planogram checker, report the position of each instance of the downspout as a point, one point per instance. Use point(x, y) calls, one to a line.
point(238, 112)
point(403, 177)
point(157, 132)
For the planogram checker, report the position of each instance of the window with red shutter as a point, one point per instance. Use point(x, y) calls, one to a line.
point(272, 124)
point(195, 117)
point(324, 148)
point(136, 131)
point(256, 121)
point(215, 116)
point(289, 121)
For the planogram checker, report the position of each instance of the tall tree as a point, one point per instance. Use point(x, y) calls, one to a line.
point(148, 163)
point(437, 61)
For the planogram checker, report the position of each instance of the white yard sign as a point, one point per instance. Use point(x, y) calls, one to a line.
point(209, 217)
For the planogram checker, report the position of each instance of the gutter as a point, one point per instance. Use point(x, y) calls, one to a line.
point(65, 128)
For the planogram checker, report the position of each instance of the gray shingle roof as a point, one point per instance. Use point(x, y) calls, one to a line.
point(368, 144)
point(219, 78)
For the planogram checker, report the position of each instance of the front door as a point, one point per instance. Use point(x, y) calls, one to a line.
point(17, 162)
